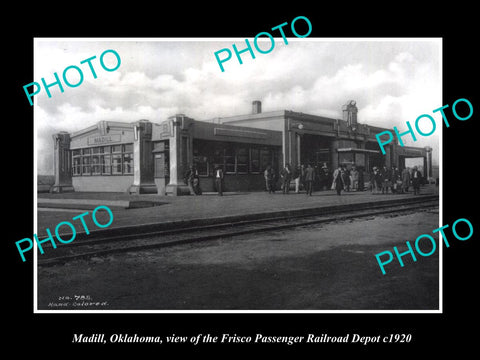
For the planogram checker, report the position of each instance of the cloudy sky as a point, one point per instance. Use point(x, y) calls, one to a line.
point(392, 80)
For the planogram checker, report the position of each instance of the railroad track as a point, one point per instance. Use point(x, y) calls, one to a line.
point(106, 243)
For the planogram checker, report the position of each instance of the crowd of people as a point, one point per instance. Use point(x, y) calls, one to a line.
point(343, 178)
point(321, 178)
point(192, 179)
point(307, 178)
point(384, 180)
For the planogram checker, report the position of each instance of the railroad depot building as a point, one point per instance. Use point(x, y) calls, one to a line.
point(147, 157)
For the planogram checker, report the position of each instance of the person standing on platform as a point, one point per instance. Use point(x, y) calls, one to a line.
point(386, 180)
point(416, 178)
point(326, 177)
point(269, 179)
point(354, 178)
point(286, 175)
point(302, 176)
point(219, 180)
point(309, 178)
point(296, 174)
point(192, 179)
point(361, 179)
point(394, 179)
point(376, 180)
point(337, 183)
point(405, 180)
point(321, 178)
point(345, 173)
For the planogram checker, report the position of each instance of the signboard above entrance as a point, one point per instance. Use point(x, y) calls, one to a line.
point(106, 139)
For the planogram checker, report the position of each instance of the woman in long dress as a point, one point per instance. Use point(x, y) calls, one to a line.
point(338, 183)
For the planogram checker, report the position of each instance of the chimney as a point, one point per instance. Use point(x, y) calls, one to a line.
point(256, 107)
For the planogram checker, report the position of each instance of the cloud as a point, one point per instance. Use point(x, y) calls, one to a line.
point(392, 82)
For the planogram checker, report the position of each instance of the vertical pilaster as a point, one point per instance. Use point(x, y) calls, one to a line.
point(428, 161)
point(62, 163)
point(298, 139)
point(181, 154)
point(143, 181)
point(292, 142)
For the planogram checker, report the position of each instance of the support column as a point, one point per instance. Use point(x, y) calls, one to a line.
point(181, 154)
point(292, 142)
point(290, 151)
point(62, 163)
point(428, 165)
point(299, 149)
point(143, 181)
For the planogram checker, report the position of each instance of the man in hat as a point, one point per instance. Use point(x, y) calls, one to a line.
point(416, 178)
point(405, 179)
point(286, 175)
point(376, 180)
point(309, 178)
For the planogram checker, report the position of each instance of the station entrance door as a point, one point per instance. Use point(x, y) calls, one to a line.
point(410, 162)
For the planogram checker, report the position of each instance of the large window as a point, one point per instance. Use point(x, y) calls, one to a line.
point(242, 160)
point(229, 159)
point(127, 156)
point(96, 167)
point(106, 160)
point(266, 158)
point(255, 160)
point(202, 165)
point(103, 160)
point(86, 161)
point(233, 158)
point(77, 162)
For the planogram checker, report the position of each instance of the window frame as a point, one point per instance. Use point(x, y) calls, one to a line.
point(232, 157)
point(99, 160)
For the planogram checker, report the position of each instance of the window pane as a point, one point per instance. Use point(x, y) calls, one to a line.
point(229, 151)
point(127, 164)
point(242, 168)
point(86, 165)
point(96, 169)
point(116, 164)
point(86, 151)
point(255, 160)
point(201, 164)
point(76, 152)
point(128, 148)
point(265, 158)
point(106, 166)
point(96, 150)
point(230, 164)
point(242, 161)
point(229, 160)
point(116, 148)
point(106, 149)
point(76, 167)
point(230, 168)
point(218, 158)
